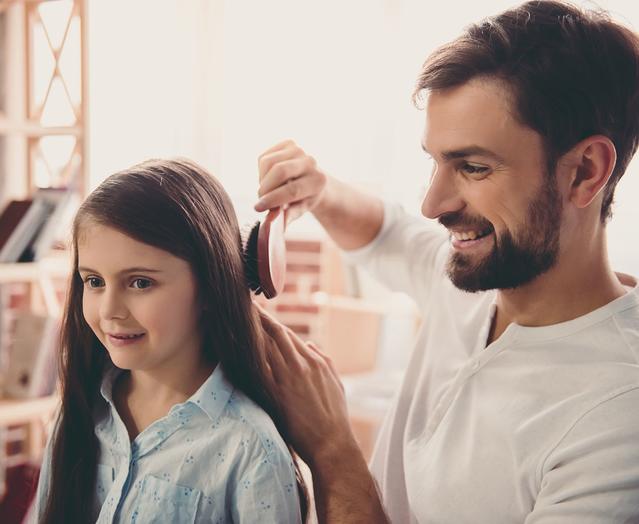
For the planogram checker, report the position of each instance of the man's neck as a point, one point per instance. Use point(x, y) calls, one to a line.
point(578, 284)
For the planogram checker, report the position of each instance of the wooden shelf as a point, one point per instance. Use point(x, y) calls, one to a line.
point(54, 266)
point(21, 123)
point(33, 129)
point(20, 411)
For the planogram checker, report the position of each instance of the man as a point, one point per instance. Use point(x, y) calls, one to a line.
point(520, 403)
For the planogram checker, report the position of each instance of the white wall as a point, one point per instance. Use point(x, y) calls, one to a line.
point(222, 80)
point(150, 81)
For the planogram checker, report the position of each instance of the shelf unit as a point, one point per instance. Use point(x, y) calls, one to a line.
point(51, 267)
point(31, 417)
point(43, 95)
point(14, 411)
point(26, 420)
point(43, 143)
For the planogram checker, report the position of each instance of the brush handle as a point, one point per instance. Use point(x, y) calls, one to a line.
point(286, 214)
point(271, 252)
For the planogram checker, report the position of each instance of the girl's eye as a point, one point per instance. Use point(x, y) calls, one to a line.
point(474, 169)
point(93, 282)
point(141, 283)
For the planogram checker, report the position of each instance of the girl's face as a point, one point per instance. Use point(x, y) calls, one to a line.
point(140, 301)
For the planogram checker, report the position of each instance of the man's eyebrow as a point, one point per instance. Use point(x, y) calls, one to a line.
point(468, 151)
point(124, 271)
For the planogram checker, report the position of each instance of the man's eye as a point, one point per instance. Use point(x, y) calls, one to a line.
point(141, 283)
point(474, 169)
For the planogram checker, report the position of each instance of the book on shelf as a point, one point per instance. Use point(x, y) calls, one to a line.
point(31, 370)
point(32, 225)
point(11, 217)
point(25, 231)
point(63, 204)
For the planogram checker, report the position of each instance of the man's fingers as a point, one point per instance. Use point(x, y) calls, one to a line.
point(269, 323)
point(312, 355)
point(292, 192)
point(275, 360)
point(297, 209)
point(289, 354)
point(300, 345)
point(329, 362)
point(284, 172)
point(267, 161)
point(270, 372)
point(261, 310)
point(313, 346)
point(280, 145)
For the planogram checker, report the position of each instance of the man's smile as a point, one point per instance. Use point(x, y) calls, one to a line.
point(471, 234)
point(471, 239)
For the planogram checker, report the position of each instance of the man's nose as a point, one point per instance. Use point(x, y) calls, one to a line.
point(442, 196)
point(113, 305)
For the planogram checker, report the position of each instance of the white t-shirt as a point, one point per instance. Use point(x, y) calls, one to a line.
point(539, 427)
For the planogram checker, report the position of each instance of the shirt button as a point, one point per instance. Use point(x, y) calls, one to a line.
point(476, 365)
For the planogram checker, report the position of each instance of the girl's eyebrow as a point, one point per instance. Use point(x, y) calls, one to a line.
point(124, 271)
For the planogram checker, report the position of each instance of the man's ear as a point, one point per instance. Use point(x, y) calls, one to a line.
point(594, 160)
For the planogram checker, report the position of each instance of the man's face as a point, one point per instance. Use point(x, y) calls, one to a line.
point(490, 187)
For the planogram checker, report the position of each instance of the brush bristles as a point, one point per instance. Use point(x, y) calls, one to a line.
point(249, 253)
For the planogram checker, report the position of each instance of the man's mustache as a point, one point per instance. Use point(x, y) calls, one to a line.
point(450, 220)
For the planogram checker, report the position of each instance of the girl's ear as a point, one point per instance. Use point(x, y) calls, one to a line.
point(594, 160)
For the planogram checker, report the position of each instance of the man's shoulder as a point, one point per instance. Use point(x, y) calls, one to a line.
point(627, 323)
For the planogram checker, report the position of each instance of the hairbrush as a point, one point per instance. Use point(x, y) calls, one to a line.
point(264, 251)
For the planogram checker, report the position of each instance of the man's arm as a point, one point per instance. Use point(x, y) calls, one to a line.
point(311, 395)
point(345, 492)
point(290, 177)
point(592, 474)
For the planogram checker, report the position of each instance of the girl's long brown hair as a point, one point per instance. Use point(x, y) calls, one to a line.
point(177, 206)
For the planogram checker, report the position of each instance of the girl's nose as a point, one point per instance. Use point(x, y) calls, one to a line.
point(113, 306)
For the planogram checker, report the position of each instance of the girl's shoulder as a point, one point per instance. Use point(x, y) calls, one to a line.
point(255, 425)
point(237, 419)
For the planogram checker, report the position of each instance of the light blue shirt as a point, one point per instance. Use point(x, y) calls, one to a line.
point(215, 458)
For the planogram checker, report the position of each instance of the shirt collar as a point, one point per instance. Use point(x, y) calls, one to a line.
point(211, 397)
point(106, 389)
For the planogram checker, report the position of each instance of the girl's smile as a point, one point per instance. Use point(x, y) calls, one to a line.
point(121, 340)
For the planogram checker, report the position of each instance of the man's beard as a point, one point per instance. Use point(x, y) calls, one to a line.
point(513, 261)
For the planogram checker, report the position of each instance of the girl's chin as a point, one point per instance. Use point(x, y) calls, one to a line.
point(124, 358)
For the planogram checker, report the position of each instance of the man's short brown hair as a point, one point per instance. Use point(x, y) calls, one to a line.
point(573, 73)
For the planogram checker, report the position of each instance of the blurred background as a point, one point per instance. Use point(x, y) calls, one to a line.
point(89, 87)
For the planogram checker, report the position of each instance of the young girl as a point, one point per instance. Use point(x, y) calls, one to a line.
point(166, 411)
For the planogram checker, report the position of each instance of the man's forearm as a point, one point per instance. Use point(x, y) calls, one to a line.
point(345, 492)
point(352, 218)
